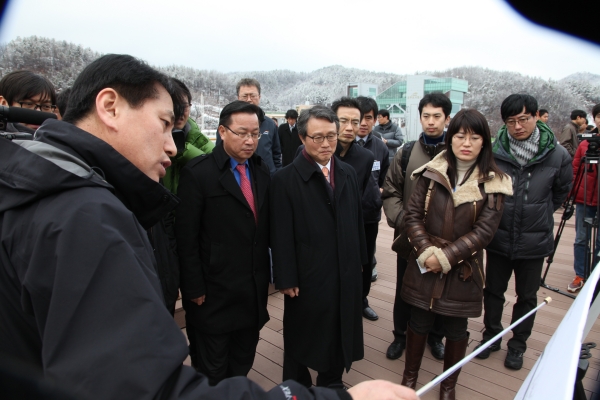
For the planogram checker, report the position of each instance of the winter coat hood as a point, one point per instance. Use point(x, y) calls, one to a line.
point(63, 157)
point(501, 146)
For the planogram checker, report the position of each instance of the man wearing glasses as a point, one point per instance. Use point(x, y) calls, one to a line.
point(318, 245)
point(541, 172)
point(27, 90)
point(269, 147)
point(222, 231)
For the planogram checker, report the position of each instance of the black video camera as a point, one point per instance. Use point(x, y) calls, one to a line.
point(593, 143)
point(22, 115)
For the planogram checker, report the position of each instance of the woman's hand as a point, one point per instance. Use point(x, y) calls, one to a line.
point(432, 264)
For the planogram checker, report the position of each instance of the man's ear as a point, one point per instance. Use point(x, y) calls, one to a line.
point(3, 102)
point(221, 129)
point(106, 107)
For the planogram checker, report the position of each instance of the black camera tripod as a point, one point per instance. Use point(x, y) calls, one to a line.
point(589, 162)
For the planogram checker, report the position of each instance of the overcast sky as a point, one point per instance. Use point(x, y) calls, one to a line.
point(386, 36)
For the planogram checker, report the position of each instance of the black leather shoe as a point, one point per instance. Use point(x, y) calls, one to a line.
point(395, 350)
point(486, 353)
point(369, 314)
point(374, 275)
point(437, 349)
point(514, 359)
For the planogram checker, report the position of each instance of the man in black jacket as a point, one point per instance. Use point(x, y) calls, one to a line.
point(371, 201)
point(541, 172)
point(288, 137)
point(390, 133)
point(80, 301)
point(222, 234)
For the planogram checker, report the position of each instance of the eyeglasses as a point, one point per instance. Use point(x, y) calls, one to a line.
point(33, 106)
point(521, 121)
point(320, 139)
point(252, 96)
point(344, 122)
point(245, 136)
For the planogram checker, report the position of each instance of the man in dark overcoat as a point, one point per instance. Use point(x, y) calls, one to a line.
point(222, 230)
point(288, 137)
point(318, 245)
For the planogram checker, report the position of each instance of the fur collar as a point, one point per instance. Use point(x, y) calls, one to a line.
point(468, 191)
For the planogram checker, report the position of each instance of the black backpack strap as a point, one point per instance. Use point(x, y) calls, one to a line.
point(406, 150)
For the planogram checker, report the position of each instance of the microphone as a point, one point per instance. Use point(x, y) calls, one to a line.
point(24, 115)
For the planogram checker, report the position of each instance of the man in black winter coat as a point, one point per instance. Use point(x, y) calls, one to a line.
point(541, 173)
point(288, 137)
point(80, 301)
point(371, 201)
point(222, 231)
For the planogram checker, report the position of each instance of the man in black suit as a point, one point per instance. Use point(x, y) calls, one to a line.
point(222, 230)
point(318, 245)
point(288, 137)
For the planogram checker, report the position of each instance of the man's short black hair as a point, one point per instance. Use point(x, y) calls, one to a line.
point(183, 98)
point(131, 78)
point(62, 100)
point(577, 113)
point(367, 104)
point(247, 82)
point(436, 100)
point(291, 114)
point(384, 113)
point(346, 102)
point(542, 112)
point(595, 111)
point(236, 107)
point(17, 86)
point(514, 104)
point(318, 112)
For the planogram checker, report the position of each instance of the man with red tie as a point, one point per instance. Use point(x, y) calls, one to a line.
point(318, 244)
point(222, 229)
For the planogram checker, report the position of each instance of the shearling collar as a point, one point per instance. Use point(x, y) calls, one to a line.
point(468, 191)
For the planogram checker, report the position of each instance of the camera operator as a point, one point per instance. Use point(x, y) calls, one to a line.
point(586, 203)
point(26, 90)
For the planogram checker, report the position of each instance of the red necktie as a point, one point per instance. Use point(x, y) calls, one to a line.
point(246, 188)
point(325, 172)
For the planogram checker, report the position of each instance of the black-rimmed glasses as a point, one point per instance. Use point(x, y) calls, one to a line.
point(521, 121)
point(33, 106)
point(320, 139)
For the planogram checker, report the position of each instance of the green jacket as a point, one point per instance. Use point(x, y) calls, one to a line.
point(196, 144)
point(547, 142)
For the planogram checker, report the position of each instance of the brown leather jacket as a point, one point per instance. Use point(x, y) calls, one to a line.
point(457, 227)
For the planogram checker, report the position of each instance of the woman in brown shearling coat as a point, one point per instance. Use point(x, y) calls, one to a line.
point(451, 217)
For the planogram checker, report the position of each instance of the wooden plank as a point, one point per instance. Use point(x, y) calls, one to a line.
point(479, 379)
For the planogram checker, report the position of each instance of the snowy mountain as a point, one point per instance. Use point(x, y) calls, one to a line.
point(61, 62)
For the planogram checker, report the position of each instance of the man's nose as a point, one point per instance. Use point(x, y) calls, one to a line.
point(170, 147)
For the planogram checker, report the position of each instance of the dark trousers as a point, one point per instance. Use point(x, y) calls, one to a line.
point(224, 355)
point(422, 322)
point(402, 310)
point(371, 231)
point(292, 369)
point(527, 282)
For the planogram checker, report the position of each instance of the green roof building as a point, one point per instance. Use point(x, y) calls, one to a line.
point(402, 99)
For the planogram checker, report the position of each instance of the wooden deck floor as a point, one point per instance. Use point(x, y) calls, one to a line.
point(480, 379)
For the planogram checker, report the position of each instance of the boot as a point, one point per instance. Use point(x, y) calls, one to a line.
point(415, 347)
point(455, 351)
